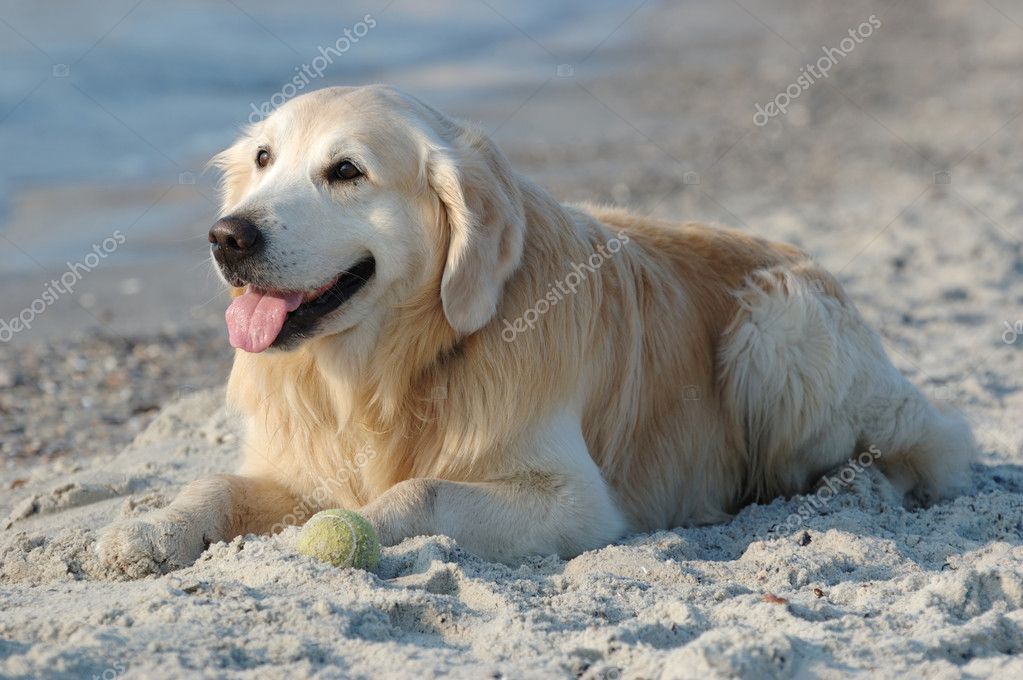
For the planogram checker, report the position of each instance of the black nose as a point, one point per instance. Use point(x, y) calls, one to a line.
point(234, 239)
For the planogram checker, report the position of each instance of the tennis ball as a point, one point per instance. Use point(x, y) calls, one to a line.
point(341, 537)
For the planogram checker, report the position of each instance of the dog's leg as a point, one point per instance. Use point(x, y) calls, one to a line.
point(925, 451)
point(814, 387)
point(214, 509)
point(557, 503)
point(787, 367)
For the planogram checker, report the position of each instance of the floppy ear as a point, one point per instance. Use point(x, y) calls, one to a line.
point(486, 221)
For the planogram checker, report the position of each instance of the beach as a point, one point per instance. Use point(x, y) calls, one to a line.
point(899, 170)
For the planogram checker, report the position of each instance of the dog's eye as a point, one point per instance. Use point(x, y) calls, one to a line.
point(263, 158)
point(344, 171)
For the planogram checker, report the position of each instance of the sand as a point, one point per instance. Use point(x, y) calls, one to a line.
point(844, 581)
point(861, 584)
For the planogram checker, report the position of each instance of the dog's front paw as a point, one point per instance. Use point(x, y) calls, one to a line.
point(150, 545)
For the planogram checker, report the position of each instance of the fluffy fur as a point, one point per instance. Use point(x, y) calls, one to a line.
point(476, 388)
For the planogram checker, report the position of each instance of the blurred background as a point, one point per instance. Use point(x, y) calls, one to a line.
point(897, 165)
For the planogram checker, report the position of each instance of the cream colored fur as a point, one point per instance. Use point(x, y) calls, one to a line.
point(689, 371)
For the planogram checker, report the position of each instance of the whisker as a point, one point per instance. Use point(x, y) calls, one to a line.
point(201, 263)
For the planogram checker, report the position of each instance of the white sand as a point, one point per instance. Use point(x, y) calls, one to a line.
point(861, 585)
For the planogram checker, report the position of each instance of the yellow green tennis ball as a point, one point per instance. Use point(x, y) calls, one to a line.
point(341, 537)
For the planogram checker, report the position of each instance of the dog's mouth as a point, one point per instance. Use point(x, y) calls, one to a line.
point(259, 319)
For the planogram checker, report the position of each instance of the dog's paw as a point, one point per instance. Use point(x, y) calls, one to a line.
point(150, 545)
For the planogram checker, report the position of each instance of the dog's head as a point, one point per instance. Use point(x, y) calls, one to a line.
point(346, 203)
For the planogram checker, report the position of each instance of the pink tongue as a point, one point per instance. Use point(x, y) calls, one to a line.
point(254, 319)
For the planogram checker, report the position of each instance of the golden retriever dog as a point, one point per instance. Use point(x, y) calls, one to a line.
point(431, 339)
